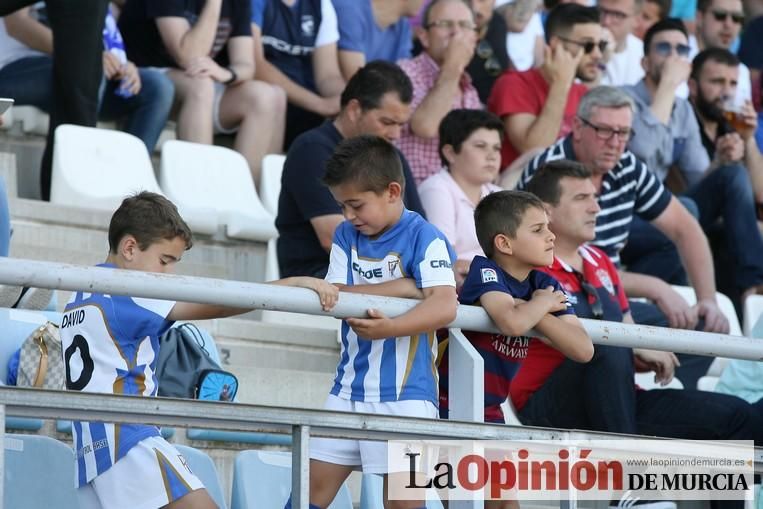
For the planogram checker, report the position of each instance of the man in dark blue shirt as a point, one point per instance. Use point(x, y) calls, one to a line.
point(376, 101)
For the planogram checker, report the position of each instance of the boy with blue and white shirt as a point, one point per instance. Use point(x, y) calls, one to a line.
point(386, 365)
point(110, 345)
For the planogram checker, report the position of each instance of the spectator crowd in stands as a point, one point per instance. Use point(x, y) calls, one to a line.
point(637, 123)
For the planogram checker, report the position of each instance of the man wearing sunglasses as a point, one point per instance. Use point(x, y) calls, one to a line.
point(537, 106)
point(626, 188)
point(668, 137)
point(719, 23)
point(601, 395)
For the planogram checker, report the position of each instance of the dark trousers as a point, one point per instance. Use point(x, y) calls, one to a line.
point(77, 66)
point(601, 396)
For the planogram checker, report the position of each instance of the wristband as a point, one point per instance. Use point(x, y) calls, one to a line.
point(233, 76)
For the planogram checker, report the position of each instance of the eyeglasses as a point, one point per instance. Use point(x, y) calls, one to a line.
point(588, 46)
point(664, 48)
point(485, 52)
point(618, 16)
point(450, 24)
point(720, 16)
point(593, 296)
point(605, 133)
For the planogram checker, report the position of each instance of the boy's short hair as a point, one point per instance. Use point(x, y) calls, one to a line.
point(149, 217)
point(718, 55)
point(545, 182)
point(664, 25)
point(369, 162)
point(563, 18)
point(459, 124)
point(501, 213)
point(375, 79)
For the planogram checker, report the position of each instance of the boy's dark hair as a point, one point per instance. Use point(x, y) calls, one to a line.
point(428, 10)
point(149, 217)
point(369, 162)
point(563, 18)
point(373, 81)
point(664, 25)
point(664, 6)
point(459, 124)
point(501, 213)
point(545, 182)
point(719, 55)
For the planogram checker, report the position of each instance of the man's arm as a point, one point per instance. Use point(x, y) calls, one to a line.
point(350, 62)
point(328, 78)
point(526, 131)
point(437, 310)
point(680, 226)
point(425, 121)
point(324, 227)
point(241, 57)
point(754, 161)
point(680, 315)
point(297, 94)
point(23, 27)
point(185, 42)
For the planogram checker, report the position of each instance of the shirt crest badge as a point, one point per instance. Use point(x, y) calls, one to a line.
point(603, 276)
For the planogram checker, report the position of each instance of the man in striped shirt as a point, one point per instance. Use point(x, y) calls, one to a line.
point(625, 187)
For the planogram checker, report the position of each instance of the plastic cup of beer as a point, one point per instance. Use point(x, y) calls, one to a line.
point(732, 112)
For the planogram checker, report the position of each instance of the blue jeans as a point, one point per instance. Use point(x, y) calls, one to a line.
point(726, 193)
point(29, 81)
point(601, 396)
point(145, 114)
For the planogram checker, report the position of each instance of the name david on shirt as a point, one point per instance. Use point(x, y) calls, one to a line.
point(73, 318)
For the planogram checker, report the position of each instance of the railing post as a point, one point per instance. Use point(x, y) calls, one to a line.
point(2, 457)
point(300, 467)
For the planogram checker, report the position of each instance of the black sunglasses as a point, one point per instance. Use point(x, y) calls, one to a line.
point(588, 46)
point(593, 297)
point(664, 49)
point(720, 16)
point(485, 52)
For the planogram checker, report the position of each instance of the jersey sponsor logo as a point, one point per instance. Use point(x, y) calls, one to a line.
point(438, 264)
point(514, 347)
point(606, 281)
point(308, 25)
point(489, 275)
point(285, 47)
point(371, 273)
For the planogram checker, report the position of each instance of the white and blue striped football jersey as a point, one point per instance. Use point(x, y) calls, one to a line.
point(110, 345)
point(391, 369)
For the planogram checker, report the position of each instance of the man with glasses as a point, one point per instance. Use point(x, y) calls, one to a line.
point(625, 188)
point(552, 391)
point(440, 81)
point(491, 57)
point(620, 18)
point(668, 138)
point(537, 106)
point(719, 23)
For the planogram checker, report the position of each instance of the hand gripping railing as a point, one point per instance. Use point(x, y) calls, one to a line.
point(466, 365)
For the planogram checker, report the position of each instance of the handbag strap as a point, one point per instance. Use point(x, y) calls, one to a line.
point(42, 368)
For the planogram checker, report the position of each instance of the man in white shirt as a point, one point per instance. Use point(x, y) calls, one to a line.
point(624, 66)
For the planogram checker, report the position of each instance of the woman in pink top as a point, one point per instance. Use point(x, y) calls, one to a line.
point(470, 149)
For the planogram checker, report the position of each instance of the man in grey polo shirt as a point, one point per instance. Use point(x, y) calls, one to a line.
point(667, 135)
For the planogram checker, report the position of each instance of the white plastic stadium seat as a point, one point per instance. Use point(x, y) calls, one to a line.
point(32, 120)
point(97, 168)
point(707, 383)
point(753, 308)
point(205, 177)
point(270, 181)
point(727, 307)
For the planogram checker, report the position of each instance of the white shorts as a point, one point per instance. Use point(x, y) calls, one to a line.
point(371, 456)
point(151, 475)
point(219, 129)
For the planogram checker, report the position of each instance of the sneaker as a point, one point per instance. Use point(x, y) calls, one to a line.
point(9, 295)
point(34, 298)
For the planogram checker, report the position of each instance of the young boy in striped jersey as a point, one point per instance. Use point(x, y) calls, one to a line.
point(386, 365)
point(110, 345)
